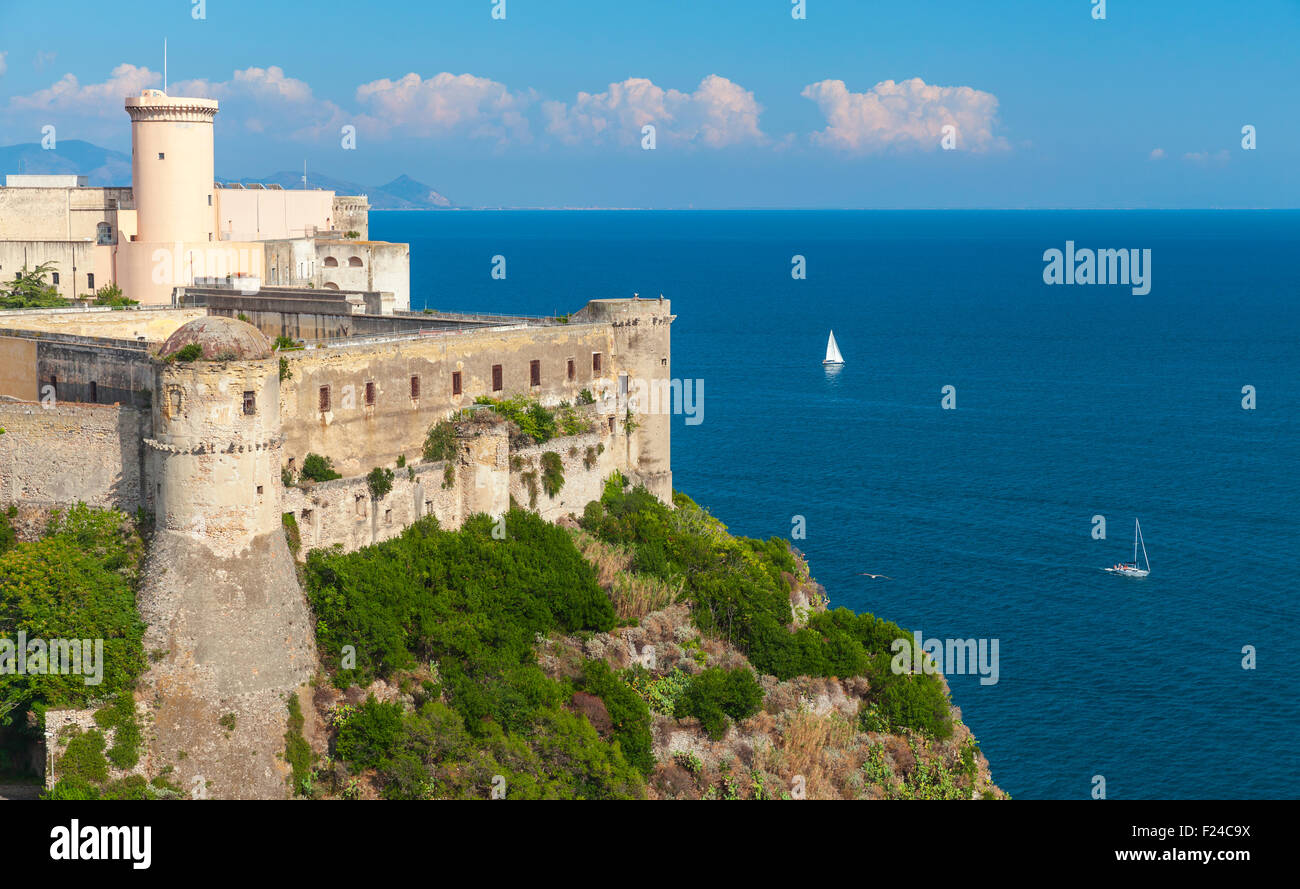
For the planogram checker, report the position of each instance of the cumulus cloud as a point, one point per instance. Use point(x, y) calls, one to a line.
point(1157, 154)
point(445, 105)
point(717, 114)
point(92, 99)
point(265, 100)
point(906, 115)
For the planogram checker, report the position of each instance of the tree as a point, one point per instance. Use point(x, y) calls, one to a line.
point(29, 290)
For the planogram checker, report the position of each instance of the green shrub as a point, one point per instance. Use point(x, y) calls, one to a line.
point(318, 468)
point(190, 352)
point(119, 715)
point(533, 420)
point(440, 442)
point(380, 482)
point(627, 711)
point(366, 737)
point(910, 700)
point(297, 752)
point(715, 694)
point(552, 473)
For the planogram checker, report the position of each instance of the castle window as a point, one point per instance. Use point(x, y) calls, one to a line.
point(94, 392)
point(570, 369)
point(54, 277)
point(534, 373)
point(324, 399)
point(455, 383)
point(611, 424)
point(360, 503)
point(496, 378)
point(250, 403)
point(663, 361)
point(388, 516)
point(331, 262)
point(370, 394)
point(595, 362)
point(415, 387)
point(354, 262)
point(90, 282)
point(209, 200)
point(622, 384)
point(259, 490)
point(162, 156)
point(103, 233)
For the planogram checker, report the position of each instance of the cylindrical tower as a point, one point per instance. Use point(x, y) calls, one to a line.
point(217, 438)
point(172, 167)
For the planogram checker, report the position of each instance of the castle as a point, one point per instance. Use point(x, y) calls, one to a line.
point(183, 408)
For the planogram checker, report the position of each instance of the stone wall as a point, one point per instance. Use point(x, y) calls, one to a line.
point(358, 434)
point(64, 453)
point(582, 483)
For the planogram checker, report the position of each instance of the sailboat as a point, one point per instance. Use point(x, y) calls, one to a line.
point(833, 356)
point(1131, 569)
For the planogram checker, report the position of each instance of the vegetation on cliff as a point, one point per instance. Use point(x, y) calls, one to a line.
point(471, 608)
point(464, 665)
point(76, 583)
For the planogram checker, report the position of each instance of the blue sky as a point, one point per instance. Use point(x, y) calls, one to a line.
point(1051, 107)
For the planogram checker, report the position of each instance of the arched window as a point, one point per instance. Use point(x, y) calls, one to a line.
point(331, 262)
point(330, 285)
point(354, 262)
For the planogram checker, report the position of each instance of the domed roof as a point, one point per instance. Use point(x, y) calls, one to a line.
point(226, 339)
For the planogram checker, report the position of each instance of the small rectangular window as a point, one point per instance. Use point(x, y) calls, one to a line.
point(570, 369)
point(415, 387)
point(595, 362)
point(622, 384)
point(162, 156)
point(94, 392)
point(250, 403)
point(388, 516)
point(324, 399)
point(455, 383)
point(209, 200)
point(370, 394)
point(534, 373)
point(90, 282)
point(259, 490)
point(611, 424)
point(496, 378)
point(54, 277)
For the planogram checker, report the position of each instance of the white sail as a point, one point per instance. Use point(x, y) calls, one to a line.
point(833, 355)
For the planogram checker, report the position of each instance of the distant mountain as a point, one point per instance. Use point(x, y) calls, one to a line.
point(403, 193)
point(101, 166)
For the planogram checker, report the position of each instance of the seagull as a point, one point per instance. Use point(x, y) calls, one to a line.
point(873, 576)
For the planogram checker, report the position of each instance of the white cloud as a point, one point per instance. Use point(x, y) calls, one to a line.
point(719, 113)
point(3, 66)
point(906, 115)
point(1157, 154)
point(445, 105)
point(264, 100)
point(92, 99)
point(1205, 157)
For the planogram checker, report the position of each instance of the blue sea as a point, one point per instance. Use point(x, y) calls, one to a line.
point(1071, 402)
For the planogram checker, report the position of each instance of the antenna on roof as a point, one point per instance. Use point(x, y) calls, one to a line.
point(304, 173)
point(164, 66)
